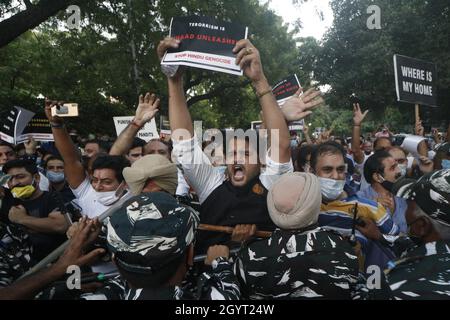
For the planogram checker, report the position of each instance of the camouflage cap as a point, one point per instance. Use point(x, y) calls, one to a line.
point(431, 193)
point(149, 231)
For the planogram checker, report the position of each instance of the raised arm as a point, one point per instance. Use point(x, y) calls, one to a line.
point(146, 110)
point(179, 115)
point(73, 169)
point(358, 117)
point(250, 62)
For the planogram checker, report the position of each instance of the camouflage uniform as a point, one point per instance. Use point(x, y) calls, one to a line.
point(15, 253)
point(315, 264)
point(423, 273)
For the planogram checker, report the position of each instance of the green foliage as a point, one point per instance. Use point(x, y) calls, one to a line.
point(113, 55)
point(354, 59)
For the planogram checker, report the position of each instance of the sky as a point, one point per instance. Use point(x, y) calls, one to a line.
point(307, 12)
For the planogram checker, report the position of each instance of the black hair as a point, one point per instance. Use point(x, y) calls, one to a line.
point(169, 144)
point(374, 164)
point(329, 147)
point(137, 142)
point(103, 146)
point(29, 165)
point(302, 154)
point(377, 140)
point(116, 163)
point(52, 157)
point(154, 280)
point(6, 144)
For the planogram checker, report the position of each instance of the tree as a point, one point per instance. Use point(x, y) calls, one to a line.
point(355, 59)
point(31, 17)
point(113, 55)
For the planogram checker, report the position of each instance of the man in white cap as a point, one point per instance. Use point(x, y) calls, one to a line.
point(299, 260)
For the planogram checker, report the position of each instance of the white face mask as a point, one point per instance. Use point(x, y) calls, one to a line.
point(331, 189)
point(403, 169)
point(108, 198)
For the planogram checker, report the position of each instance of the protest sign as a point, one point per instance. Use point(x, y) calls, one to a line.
point(285, 89)
point(415, 80)
point(256, 125)
point(205, 43)
point(147, 133)
point(38, 128)
point(164, 125)
point(14, 124)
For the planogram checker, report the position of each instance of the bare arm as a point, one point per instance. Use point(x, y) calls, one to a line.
point(179, 115)
point(73, 168)
point(28, 287)
point(249, 60)
point(358, 117)
point(146, 110)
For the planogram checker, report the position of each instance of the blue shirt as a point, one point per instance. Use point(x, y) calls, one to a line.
point(400, 208)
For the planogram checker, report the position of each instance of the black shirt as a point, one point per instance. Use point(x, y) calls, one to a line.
point(43, 243)
point(228, 205)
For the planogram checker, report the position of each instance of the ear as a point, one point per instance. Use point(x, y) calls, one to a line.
point(376, 177)
point(190, 255)
point(37, 178)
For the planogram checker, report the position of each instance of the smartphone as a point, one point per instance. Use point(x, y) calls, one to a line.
point(66, 110)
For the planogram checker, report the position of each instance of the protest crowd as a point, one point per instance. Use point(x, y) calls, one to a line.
point(362, 216)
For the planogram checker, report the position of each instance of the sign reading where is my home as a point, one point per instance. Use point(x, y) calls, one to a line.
point(415, 80)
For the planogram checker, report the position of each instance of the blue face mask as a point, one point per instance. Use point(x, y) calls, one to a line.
point(445, 164)
point(55, 177)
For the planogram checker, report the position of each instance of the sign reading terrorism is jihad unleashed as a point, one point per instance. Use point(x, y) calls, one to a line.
point(205, 43)
point(415, 80)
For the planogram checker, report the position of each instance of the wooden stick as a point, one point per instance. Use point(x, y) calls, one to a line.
point(224, 229)
point(417, 113)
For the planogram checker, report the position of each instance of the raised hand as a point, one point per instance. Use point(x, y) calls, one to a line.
point(358, 116)
point(147, 109)
point(299, 106)
point(249, 60)
point(163, 46)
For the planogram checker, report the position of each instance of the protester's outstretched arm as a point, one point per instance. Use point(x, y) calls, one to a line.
point(73, 168)
point(179, 115)
point(28, 287)
point(249, 60)
point(146, 111)
point(358, 117)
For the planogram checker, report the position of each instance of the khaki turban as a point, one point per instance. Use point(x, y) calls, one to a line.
point(155, 167)
point(294, 201)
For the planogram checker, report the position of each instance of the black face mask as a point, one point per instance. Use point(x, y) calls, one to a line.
point(387, 185)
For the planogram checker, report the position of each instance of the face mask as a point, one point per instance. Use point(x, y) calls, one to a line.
point(107, 198)
point(403, 169)
point(331, 189)
point(445, 164)
point(23, 192)
point(38, 161)
point(55, 177)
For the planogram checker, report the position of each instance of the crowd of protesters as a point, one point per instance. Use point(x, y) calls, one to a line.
point(326, 217)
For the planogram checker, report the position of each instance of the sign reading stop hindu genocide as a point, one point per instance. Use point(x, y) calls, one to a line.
point(205, 43)
point(415, 80)
point(284, 90)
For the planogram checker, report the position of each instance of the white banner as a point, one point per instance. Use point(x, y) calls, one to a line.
point(147, 133)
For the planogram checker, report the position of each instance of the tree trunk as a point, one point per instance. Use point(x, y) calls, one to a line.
point(30, 18)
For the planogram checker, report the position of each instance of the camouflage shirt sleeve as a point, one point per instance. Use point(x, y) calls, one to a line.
point(220, 284)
